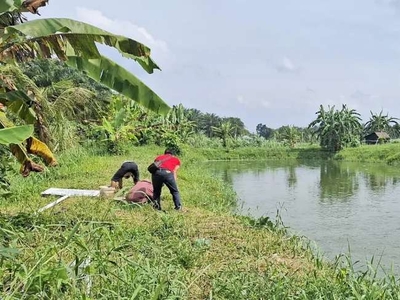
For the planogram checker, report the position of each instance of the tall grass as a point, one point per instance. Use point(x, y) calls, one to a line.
point(93, 248)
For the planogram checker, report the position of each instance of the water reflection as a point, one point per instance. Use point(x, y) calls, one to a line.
point(334, 203)
point(337, 182)
point(291, 177)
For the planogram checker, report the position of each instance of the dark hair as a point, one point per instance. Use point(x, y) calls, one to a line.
point(169, 151)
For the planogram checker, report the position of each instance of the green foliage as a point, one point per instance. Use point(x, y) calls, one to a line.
point(116, 132)
point(385, 153)
point(46, 72)
point(5, 165)
point(172, 141)
point(289, 135)
point(71, 41)
point(15, 135)
point(263, 131)
point(224, 131)
point(380, 122)
point(200, 140)
point(337, 129)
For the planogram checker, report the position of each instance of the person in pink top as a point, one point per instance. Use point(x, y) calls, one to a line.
point(141, 192)
point(166, 174)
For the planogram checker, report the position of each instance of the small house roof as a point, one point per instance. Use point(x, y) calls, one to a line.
point(379, 134)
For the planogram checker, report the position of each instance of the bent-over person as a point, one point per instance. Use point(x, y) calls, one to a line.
point(166, 174)
point(127, 169)
point(141, 192)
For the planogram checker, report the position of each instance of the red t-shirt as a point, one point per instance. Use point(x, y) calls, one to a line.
point(170, 162)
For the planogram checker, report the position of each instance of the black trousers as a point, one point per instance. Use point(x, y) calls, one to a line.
point(161, 177)
point(128, 166)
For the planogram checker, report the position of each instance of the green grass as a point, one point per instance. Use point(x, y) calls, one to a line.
point(266, 153)
point(92, 248)
point(386, 153)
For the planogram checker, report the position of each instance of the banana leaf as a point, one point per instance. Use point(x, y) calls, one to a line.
point(15, 135)
point(19, 103)
point(10, 5)
point(44, 38)
point(38, 148)
point(33, 146)
point(114, 76)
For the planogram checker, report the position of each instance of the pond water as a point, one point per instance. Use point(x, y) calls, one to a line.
point(338, 205)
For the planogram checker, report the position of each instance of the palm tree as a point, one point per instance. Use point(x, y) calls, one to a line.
point(379, 122)
point(70, 41)
point(237, 124)
point(208, 122)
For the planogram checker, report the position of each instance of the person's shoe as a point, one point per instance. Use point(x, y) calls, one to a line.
point(180, 209)
point(156, 205)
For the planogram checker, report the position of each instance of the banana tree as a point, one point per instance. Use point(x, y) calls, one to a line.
point(380, 122)
point(337, 129)
point(75, 43)
point(225, 131)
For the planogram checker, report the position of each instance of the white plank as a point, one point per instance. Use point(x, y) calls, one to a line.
point(50, 205)
point(71, 192)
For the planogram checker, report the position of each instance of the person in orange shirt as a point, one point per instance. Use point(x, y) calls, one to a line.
point(166, 174)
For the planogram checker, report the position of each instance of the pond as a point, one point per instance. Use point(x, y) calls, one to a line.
point(338, 205)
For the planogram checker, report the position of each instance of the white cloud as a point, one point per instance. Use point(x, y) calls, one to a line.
point(287, 65)
point(252, 104)
point(265, 104)
point(241, 99)
point(122, 27)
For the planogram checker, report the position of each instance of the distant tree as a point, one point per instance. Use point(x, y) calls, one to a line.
point(337, 129)
point(395, 131)
point(238, 126)
point(379, 122)
point(45, 72)
point(208, 122)
point(263, 131)
point(290, 135)
point(224, 131)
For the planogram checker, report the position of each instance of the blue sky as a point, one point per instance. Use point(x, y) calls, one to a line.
point(270, 62)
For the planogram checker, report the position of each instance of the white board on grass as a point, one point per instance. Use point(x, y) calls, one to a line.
point(70, 192)
point(65, 193)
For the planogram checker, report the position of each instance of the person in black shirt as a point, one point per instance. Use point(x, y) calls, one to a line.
point(127, 169)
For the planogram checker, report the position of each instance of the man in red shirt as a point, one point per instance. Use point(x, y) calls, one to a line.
point(166, 174)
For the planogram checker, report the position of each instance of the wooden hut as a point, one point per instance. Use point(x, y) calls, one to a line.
point(377, 137)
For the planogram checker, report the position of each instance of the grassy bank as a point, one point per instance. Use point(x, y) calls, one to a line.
point(273, 153)
point(387, 153)
point(89, 248)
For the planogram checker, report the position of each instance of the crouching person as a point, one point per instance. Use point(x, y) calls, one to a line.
point(127, 169)
point(141, 192)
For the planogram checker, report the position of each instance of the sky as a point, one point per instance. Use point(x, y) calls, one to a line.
point(263, 61)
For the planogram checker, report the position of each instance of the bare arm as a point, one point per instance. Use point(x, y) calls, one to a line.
point(175, 172)
point(135, 176)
